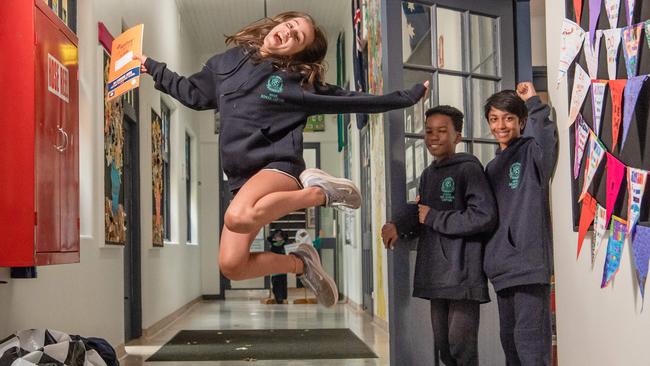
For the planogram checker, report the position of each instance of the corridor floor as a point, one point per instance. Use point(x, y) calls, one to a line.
point(250, 314)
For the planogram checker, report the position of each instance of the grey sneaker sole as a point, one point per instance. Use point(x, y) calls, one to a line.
point(343, 183)
point(329, 295)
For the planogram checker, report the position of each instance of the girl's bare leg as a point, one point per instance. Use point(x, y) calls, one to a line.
point(267, 196)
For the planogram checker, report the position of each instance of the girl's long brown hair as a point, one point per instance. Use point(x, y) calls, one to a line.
point(310, 62)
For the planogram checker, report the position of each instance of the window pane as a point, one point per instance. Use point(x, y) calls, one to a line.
point(485, 152)
point(450, 91)
point(414, 115)
point(416, 33)
point(415, 160)
point(485, 46)
point(481, 90)
point(450, 39)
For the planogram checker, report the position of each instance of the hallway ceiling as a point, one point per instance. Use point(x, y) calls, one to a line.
point(208, 20)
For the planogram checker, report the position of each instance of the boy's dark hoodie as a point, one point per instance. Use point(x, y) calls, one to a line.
point(450, 248)
point(520, 251)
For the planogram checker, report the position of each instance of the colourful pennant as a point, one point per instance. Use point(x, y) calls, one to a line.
point(581, 84)
point(616, 91)
point(612, 7)
point(592, 50)
point(594, 14)
point(647, 32)
point(615, 174)
point(636, 179)
point(629, 7)
point(632, 89)
point(582, 134)
point(586, 218)
point(596, 154)
point(614, 250)
point(597, 97)
point(600, 229)
point(641, 252)
point(571, 41)
point(577, 9)
point(631, 38)
point(612, 41)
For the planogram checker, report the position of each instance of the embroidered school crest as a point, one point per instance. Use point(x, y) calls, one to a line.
point(515, 175)
point(274, 84)
point(448, 187)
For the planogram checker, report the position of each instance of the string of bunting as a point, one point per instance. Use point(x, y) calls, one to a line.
point(624, 94)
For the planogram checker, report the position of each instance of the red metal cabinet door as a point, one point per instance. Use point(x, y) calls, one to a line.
point(51, 95)
point(70, 159)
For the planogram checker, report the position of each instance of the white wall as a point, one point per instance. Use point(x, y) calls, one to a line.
point(87, 298)
point(595, 326)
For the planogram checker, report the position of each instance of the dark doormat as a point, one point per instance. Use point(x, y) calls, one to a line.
point(263, 344)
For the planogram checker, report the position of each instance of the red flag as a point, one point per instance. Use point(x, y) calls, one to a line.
point(577, 8)
point(616, 88)
point(615, 174)
point(587, 215)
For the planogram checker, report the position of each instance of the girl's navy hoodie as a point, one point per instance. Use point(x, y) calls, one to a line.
point(520, 252)
point(449, 262)
point(263, 109)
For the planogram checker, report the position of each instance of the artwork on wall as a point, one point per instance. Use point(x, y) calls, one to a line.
point(114, 212)
point(157, 179)
point(610, 142)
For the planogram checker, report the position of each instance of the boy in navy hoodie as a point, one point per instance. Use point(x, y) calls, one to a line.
point(518, 258)
point(456, 210)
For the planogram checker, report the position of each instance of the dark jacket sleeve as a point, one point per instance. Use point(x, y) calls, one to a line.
point(544, 131)
point(480, 214)
point(198, 91)
point(330, 99)
point(407, 222)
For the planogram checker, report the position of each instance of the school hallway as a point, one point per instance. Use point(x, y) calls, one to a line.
point(250, 314)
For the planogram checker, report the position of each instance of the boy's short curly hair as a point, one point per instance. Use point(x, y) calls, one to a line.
point(447, 110)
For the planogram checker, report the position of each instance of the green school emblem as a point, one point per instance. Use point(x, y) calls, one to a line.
point(447, 189)
point(274, 84)
point(515, 175)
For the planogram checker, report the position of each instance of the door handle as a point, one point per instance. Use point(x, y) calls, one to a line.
point(61, 148)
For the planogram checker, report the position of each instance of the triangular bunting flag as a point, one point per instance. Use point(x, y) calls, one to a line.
point(641, 252)
point(571, 41)
point(614, 250)
point(612, 41)
point(616, 91)
point(647, 32)
point(598, 88)
point(612, 8)
point(629, 7)
point(631, 38)
point(636, 179)
point(615, 174)
point(632, 89)
point(596, 154)
point(577, 9)
point(600, 229)
point(592, 50)
point(586, 218)
point(582, 134)
point(581, 84)
point(594, 14)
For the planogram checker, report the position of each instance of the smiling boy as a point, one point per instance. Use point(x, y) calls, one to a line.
point(518, 258)
point(455, 212)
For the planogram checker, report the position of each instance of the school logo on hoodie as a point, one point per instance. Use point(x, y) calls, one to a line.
point(515, 175)
point(447, 188)
point(274, 85)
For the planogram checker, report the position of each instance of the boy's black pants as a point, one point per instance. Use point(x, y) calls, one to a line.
point(524, 315)
point(279, 285)
point(455, 331)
